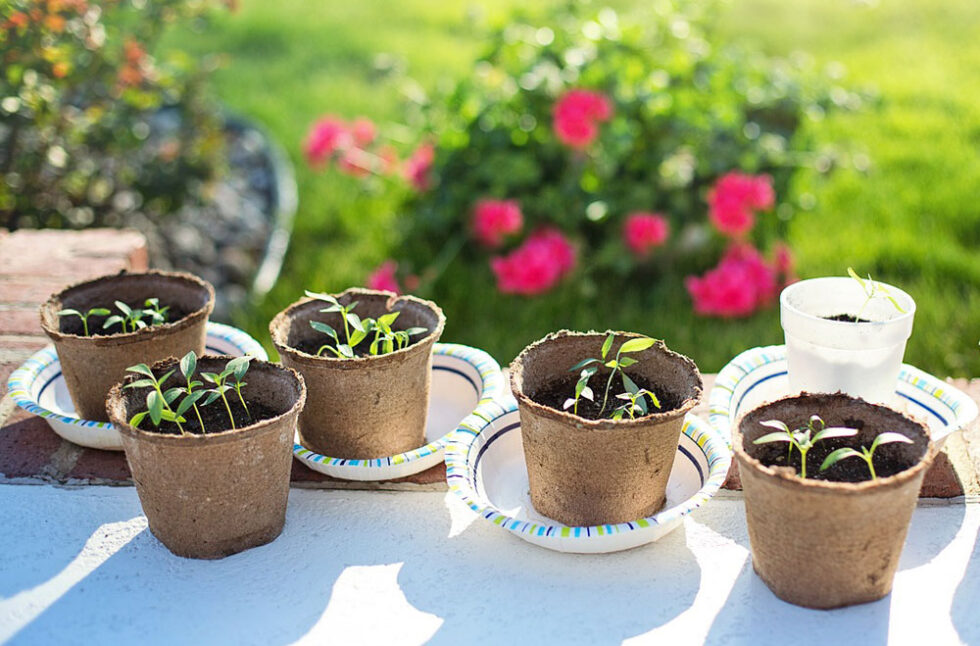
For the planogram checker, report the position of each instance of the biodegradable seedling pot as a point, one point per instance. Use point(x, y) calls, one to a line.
point(825, 544)
point(93, 364)
point(209, 496)
point(595, 472)
point(362, 407)
point(861, 359)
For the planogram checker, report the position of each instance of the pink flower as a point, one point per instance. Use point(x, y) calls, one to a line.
point(536, 266)
point(355, 162)
point(644, 231)
point(384, 277)
point(363, 131)
point(740, 284)
point(577, 115)
point(495, 219)
point(327, 135)
point(735, 197)
point(419, 165)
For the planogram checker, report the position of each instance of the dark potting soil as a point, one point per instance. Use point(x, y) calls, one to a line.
point(849, 318)
point(73, 324)
point(215, 417)
point(555, 393)
point(888, 460)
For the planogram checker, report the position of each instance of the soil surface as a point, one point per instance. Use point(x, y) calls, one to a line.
point(889, 459)
point(73, 324)
point(215, 417)
point(850, 318)
point(555, 393)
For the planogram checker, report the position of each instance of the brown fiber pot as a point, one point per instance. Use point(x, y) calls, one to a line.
point(93, 364)
point(824, 544)
point(210, 496)
point(365, 407)
point(594, 472)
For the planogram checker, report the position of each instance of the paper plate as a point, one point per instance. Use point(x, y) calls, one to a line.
point(485, 467)
point(758, 376)
point(465, 381)
point(39, 388)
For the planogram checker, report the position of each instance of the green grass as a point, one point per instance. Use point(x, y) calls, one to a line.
point(912, 219)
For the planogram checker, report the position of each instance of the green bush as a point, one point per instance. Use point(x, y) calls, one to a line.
point(94, 127)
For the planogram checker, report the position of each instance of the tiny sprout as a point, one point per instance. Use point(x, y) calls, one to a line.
point(804, 438)
point(582, 389)
point(95, 311)
point(157, 313)
point(635, 402)
point(188, 365)
point(866, 454)
point(157, 401)
point(386, 340)
point(872, 289)
point(616, 365)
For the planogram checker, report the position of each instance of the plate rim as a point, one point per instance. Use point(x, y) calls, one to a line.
point(719, 400)
point(20, 381)
point(716, 452)
point(493, 387)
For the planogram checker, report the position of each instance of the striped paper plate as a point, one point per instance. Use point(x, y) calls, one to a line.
point(465, 381)
point(485, 467)
point(758, 376)
point(39, 388)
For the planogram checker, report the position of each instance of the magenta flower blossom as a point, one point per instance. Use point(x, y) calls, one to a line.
point(642, 232)
point(536, 266)
point(383, 277)
point(577, 115)
point(493, 220)
point(363, 131)
point(327, 136)
point(418, 167)
point(734, 199)
point(740, 284)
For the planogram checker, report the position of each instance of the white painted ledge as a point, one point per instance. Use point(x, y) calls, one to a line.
point(78, 566)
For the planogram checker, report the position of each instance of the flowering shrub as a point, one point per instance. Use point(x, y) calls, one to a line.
point(632, 148)
point(81, 140)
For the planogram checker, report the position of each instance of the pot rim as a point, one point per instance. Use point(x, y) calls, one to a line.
point(208, 439)
point(49, 309)
point(789, 290)
point(277, 327)
point(584, 424)
point(781, 478)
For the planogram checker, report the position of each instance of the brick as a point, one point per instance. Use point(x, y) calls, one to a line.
point(25, 343)
point(26, 447)
point(94, 464)
point(30, 290)
point(17, 319)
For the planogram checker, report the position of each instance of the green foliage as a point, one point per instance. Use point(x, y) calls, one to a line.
point(95, 311)
point(865, 454)
point(356, 330)
point(171, 405)
point(590, 366)
point(687, 108)
point(81, 142)
point(804, 438)
point(131, 319)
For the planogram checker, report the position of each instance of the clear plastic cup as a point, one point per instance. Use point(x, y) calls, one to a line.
point(859, 359)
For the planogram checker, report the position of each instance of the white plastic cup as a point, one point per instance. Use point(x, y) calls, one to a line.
point(826, 356)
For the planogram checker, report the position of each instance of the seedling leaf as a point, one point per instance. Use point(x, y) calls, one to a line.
point(636, 345)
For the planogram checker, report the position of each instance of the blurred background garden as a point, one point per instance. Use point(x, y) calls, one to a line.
point(659, 166)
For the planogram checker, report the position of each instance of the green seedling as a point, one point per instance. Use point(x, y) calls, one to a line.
point(238, 367)
point(582, 389)
point(872, 290)
point(804, 438)
point(95, 311)
point(635, 402)
point(356, 330)
point(616, 366)
point(866, 454)
point(154, 311)
point(158, 402)
point(188, 365)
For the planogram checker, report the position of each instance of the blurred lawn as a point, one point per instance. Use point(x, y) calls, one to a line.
point(913, 218)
